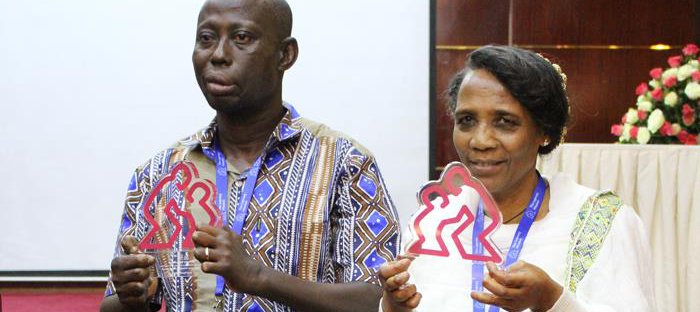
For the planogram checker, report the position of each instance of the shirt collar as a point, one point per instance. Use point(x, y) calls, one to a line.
point(289, 127)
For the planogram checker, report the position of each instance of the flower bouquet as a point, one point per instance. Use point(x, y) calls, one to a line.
point(667, 106)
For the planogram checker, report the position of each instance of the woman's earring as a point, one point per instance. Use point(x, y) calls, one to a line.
point(545, 143)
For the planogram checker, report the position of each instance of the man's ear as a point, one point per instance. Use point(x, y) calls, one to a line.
point(289, 52)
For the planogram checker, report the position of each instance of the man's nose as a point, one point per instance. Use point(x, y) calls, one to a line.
point(222, 53)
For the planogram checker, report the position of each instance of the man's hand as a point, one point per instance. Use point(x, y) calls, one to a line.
point(523, 286)
point(221, 252)
point(132, 277)
point(398, 294)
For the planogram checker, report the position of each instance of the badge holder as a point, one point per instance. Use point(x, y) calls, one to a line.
point(169, 212)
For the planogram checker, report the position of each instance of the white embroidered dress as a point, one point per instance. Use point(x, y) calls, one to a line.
point(620, 278)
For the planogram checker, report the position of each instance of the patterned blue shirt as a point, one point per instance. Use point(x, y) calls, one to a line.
point(320, 211)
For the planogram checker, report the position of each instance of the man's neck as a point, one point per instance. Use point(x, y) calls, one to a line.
point(242, 138)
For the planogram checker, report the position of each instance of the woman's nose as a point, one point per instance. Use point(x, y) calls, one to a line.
point(482, 138)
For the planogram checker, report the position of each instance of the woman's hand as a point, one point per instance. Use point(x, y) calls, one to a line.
point(398, 294)
point(221, 252)
point(523, 286)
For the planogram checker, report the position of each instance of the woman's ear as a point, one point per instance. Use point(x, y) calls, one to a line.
point(288, 53)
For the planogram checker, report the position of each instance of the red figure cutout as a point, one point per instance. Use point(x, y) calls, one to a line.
point(443, 187)
point(173, 210)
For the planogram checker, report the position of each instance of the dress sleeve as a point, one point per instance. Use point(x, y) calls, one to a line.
point(622, 277)
point(367, 232)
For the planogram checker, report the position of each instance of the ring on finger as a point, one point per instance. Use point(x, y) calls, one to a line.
point(206, 253)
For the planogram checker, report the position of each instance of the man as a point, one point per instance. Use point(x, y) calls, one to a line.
point(319, 222)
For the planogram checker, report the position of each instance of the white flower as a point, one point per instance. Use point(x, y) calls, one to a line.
point(694, 63)
point(654, 84)
point(669, 72)
point(656, 120)
point(645, 106)
point(641, 98)
point(632, 116)
point(692, 90)
point(685, 71)
point(643, 135)
point(626, 131)
point(671, 99)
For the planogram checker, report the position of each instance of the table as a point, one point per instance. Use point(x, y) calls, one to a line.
point(662, 183)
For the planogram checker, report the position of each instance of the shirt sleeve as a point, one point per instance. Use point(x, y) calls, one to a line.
point(368, 232)
point(128, 226)
point(622, 277)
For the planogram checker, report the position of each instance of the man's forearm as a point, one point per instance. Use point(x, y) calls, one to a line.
point(304, 295)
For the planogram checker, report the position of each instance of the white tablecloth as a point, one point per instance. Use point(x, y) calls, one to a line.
point(662, 182)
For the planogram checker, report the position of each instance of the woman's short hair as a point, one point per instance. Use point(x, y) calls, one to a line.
point(531, 79)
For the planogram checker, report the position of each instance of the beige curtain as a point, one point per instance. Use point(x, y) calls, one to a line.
point(662, 182)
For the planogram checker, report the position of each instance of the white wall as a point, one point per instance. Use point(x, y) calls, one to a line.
point(91, 89)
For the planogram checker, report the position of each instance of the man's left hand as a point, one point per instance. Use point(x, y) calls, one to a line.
point(226, 257)
point(521, 287)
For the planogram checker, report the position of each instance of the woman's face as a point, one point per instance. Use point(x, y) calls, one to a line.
point(494, 134)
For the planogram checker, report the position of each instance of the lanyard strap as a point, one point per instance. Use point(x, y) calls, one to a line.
point(516, 246)
point(215, 154)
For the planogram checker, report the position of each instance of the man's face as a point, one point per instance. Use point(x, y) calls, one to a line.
point(236, 55)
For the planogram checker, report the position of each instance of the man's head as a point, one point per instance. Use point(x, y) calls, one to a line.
point(241, 52)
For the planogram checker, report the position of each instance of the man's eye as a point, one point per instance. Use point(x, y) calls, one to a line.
point(242, 38)
point(206, 37)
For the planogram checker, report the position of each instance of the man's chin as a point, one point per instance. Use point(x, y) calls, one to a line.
point(226, 104)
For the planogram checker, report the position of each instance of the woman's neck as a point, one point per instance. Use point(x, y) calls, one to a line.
point(513, 203)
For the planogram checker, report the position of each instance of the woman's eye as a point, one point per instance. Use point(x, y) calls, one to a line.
point(506, 122)
point(466, 120)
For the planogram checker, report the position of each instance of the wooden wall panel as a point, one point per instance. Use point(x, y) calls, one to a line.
point(601, 87)
point(601, 80)
point(604, 22)
point(449, 63)
point(471, 22)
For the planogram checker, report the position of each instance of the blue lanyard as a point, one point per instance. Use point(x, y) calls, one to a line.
point(516, 246)
point(215, 154)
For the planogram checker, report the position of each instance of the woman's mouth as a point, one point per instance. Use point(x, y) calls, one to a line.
point(485, 167)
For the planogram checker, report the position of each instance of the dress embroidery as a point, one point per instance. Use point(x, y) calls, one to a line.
point(591, 227)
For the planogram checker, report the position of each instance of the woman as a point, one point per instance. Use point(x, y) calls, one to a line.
point(585, 251)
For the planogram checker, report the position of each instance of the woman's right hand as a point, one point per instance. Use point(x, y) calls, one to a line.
point(131, 276)
point(398, 294)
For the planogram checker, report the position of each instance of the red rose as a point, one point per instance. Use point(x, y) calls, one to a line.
point(624, 119)
point(696, 76)
point(675, 61)
point(670, 81)
point(691, 49)
point(691, 139)
point(682, 136)
point(616, 130)
point(666, 129)
point(688, 115)
point(657, 94)
point(656, 73)
point(642, 115)
point(633, 132)
point(643, 88)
